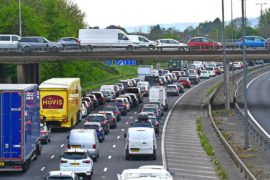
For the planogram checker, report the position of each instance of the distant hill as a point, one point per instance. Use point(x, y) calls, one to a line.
point(146, 28)
point(178, 26)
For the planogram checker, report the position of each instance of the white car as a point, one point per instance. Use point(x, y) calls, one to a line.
point(211, 71)
point(145, 172)
point(78, 161)
point(171, 44)
point(204, 74)
point(83, 110)
point(142, 41)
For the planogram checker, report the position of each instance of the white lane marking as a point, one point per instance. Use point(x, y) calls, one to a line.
point(135, 112)
point(118, 137)
point(131, 117)
point(163, 154)
point(185, 165)
point(126, 123)
point(43, 168)
point(62, 145)
point(109, 157)
point(191, 170)
point(52, 156)
point(123, 129)
point(252, 117)
point(114, 146)
point(105, 169)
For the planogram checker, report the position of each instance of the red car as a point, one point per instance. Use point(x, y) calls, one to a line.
point(185, 82)
point(218, 71)
point(201, 43)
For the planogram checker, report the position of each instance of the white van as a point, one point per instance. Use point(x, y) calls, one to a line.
point(158, 94)
point(9, 41)
point(141, 141)
point(84, 139)
point(105, 38)
point(144, 85)
point(143, 42)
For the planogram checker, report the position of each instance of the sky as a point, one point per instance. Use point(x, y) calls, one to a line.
point(128, 13)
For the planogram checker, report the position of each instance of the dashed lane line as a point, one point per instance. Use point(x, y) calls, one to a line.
point(52, 156)
point(43, 168)
point(105, 169)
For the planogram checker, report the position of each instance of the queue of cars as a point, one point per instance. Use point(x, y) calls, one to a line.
point(90, 39)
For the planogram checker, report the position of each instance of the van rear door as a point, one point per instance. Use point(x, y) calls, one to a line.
point(140, 139)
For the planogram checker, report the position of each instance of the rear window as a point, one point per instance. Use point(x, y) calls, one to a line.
point(95, 118)
point(91, 127)
point(74, 155)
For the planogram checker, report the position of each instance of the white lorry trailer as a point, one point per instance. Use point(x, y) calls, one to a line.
point(105, 38)
point(158, 94)
point(144, 70)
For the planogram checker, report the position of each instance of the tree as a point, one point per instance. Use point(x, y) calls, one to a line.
point(264, 24)
point(116, 27)
point(155, 32)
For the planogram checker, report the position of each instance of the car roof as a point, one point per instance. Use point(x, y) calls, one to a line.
point(59, 173)
point(92, 123)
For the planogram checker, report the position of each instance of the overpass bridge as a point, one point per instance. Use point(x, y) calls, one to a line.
point(28, 63)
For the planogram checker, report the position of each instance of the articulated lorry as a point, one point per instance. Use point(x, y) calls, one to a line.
point(60, 102)
point(19, 126)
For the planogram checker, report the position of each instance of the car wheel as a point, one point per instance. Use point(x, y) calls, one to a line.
point(95, 159)
point(127, 155)
point(54, 49)
point(151, 48)
point(154, 157)
point(27, 49)
point(89, 177)
point(130, 48)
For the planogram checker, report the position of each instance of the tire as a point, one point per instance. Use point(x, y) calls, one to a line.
point(95, 159)
point(88, 177)
point(25, 166)
point(151, 48)
point(127, 155)
point(130, 48)
point(154, 156)
point(88, 48)
point(26, 49)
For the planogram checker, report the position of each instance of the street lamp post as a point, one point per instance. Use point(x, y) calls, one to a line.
point(243, 6)
point(261, 4)
point(20, 18)
point(227, 103)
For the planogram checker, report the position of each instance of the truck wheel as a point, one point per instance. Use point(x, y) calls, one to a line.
point(127, 155)
point(89, 49)
point(154, 157)
point(25, 166)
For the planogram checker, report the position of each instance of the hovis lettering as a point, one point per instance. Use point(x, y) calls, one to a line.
point(52, 102)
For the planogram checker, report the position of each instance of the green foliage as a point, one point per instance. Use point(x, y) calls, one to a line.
point(51, 19)
point(264, 24)
point(88, 72)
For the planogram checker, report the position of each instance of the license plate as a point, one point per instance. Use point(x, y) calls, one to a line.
point(2, 163)
point(135, 149)
point(75, 164)
point(78, 147)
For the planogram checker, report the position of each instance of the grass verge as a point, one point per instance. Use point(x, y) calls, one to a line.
point(211, 89)
point(210, 152)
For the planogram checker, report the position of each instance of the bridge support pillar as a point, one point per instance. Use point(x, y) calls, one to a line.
point(28, 73)
point(4, 78)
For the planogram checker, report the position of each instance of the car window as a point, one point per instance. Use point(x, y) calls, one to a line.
point(74, 155)
point(91, 127)
point(95, 118)
point(142, 124)
point(142, 39)
point(122, 37)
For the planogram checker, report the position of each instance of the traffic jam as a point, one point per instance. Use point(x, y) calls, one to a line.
point(91, 117)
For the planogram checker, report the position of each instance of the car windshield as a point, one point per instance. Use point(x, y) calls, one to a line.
point(182, 79)
point(59, 178)
point(171, 87)
point(148, 110)
point(95, 118)
point(75, 155)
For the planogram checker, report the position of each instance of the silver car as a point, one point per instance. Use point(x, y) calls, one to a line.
point(38, 43)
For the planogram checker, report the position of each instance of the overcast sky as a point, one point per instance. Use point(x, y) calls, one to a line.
point(141, 12)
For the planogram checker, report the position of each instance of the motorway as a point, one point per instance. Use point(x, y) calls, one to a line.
point(258, 100)
point(112, 151)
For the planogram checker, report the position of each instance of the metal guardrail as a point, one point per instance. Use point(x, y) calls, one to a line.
point(234, 156)
point(255, 129)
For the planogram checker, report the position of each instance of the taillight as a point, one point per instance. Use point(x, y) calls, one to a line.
point(63, 161)
point(68, 146)
point(43, 132)
point(94, 146)
point(65, 120)
point(87, 161)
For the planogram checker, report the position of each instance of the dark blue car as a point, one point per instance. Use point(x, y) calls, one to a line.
point(98, 127)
